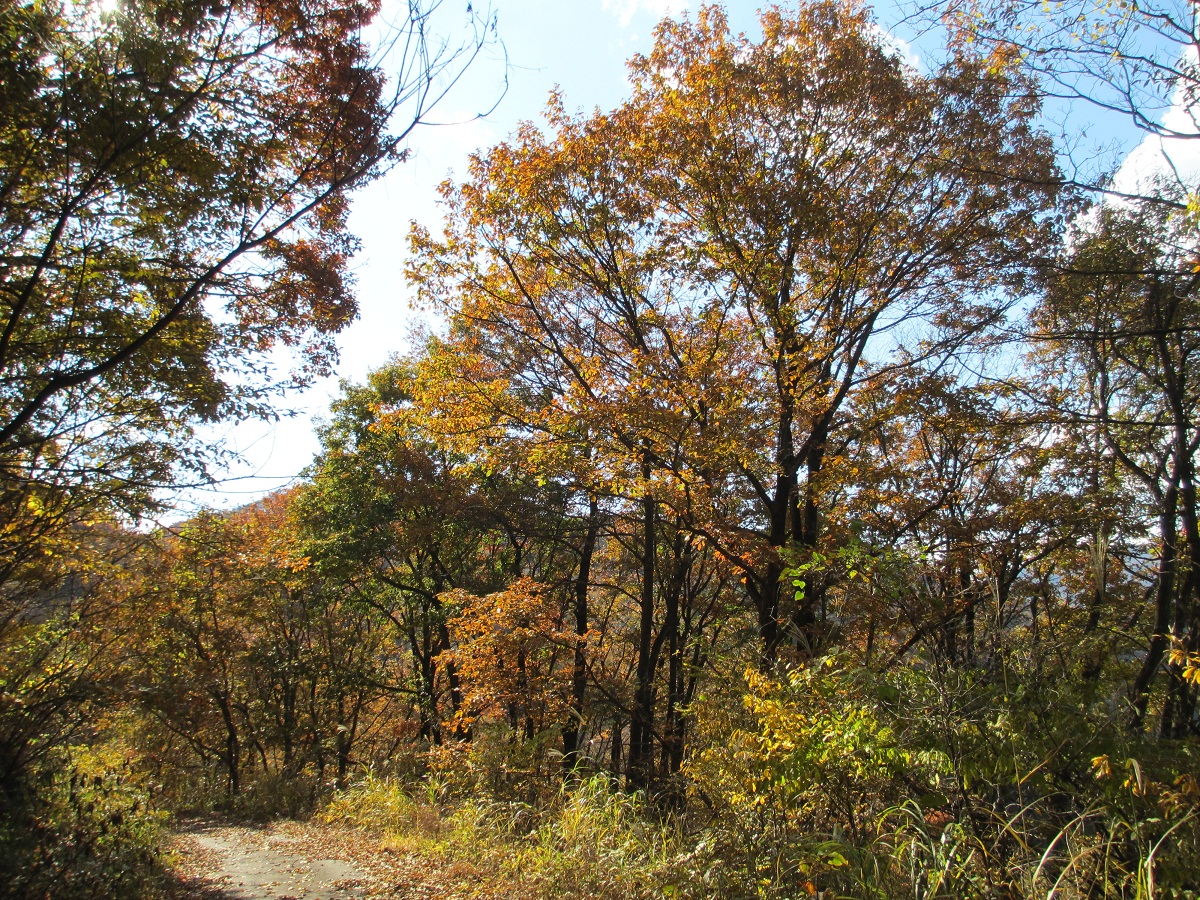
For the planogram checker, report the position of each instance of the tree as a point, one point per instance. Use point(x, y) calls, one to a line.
point(975, 501)
point(399, 522)
point(694, 285)
point(56, 664)
point(235, 650)
point(1128, 58)
point(580, 349)
point(509, 648)
point(844, 203)
point(1120, 317)
point(173, 200)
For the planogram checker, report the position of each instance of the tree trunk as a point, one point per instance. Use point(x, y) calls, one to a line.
point(574, 726)
point(233, 750)
point(672, 731)
point(641, 759)
point(1164, 606)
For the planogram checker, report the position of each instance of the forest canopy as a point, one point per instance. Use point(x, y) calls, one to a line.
point(803, 475)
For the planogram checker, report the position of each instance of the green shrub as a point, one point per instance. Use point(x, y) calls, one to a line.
point(797, 781)
point(82, 829)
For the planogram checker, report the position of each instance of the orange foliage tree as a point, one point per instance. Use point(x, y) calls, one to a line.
point(513, 655)
point(670, 306)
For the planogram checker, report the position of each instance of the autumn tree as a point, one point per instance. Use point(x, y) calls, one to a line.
point(57, 667)
point(1119, 321)
point(670, 304)
point(237, 655)
point(578, 346)
point(191, 653)
point(174, 181)
point(511, 650)
point(400, 521)
point(173, 193)
point(857, 211)
point(971, 500)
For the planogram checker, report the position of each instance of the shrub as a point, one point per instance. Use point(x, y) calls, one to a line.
point(796, 783)
point(82, 829)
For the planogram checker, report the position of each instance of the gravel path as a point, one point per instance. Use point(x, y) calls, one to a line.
point(276, 862)
point(311, 861)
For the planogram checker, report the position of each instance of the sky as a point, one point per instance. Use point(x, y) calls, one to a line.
point(577, 46)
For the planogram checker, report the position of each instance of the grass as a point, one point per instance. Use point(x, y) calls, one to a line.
point(591, 843)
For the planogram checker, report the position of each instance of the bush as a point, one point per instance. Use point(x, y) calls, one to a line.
point(795, 785)
point(82, 828)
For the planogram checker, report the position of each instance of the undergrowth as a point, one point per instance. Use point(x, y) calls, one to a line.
point(820, 784)
point(81, 829)
point(595, 842)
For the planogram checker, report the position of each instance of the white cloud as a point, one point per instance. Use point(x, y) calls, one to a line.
point(1172, 158)
point(1157, 160)
point(625, 10)
point(896, 46)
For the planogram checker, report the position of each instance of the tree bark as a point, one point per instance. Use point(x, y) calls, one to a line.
point(573, 729)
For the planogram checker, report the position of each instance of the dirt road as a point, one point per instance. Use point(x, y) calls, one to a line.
point(285, 861)
point(309, 861)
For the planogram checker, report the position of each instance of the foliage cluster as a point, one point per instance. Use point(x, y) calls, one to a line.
point(89, 831)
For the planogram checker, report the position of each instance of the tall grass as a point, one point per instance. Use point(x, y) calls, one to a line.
point(596, 842)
